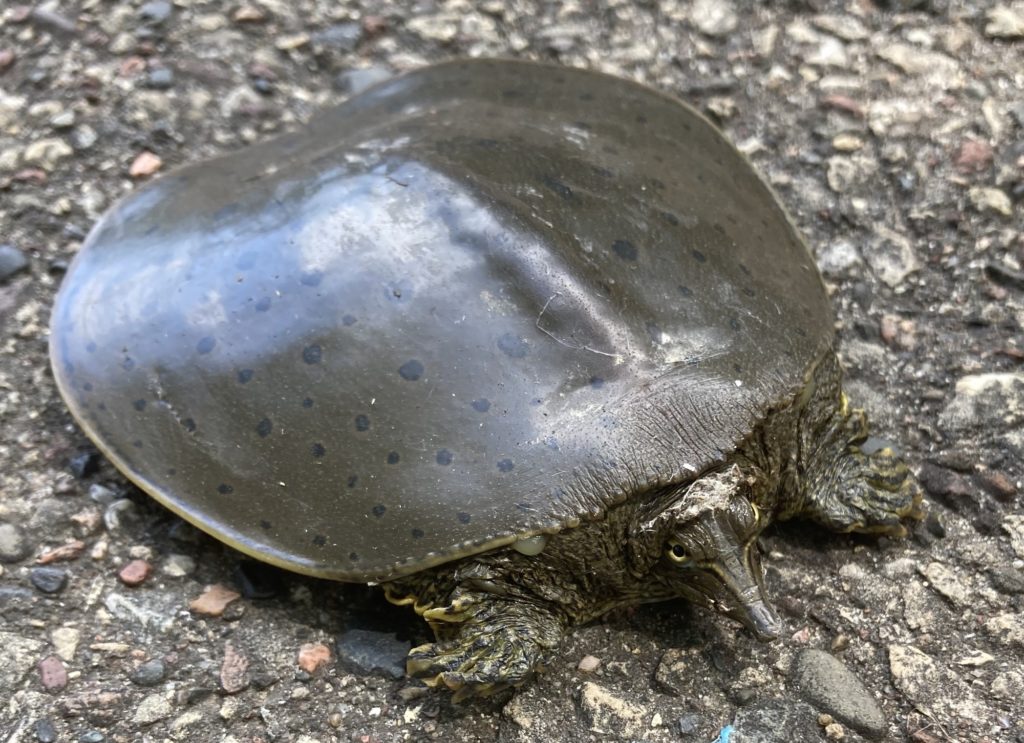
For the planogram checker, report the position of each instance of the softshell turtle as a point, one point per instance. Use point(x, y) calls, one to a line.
point(523, 343)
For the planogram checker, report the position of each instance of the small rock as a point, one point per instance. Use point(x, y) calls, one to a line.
point(774, 721)
point(118, 513)
point(17, 656)
point(312, 655)
point(688, 725)
point(1005, 22)
point(92, 736)
point(135, 572)
point(64, 553)
point(1007, 628)
point(947, 486)
point(155, 12)
point(213, 600)
point(290, 43)
point(45, 731)
point(48, 580)
point(986, 400)
point(249, 14)
point(354, 82)
point(946, 582)
point(371, 652)
point(178, 566)
point(973, 156)
point(65, 642)
point(152, 708)
point(915, 60)
point(890, 256)
point(838, 257)
point(46, 153)
point(12, 261)
point(234, 669)
point(714, 17)
point(607, 713)
point(991, 199)
point(160, 78)
point(828, 684)
point(102, 494)
point(52, 673)
point(144, 165)
point(589, 664)
point(150, 673)
point(84, 464)
point(1008, 686)
point(1007, 580)
point(14, 547)
point(7, 58)
point(83, 137)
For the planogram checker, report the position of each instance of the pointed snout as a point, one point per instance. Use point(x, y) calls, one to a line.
point(762, 621)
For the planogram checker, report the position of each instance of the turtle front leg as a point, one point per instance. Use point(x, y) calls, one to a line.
point(850, 487)
point(485, 642)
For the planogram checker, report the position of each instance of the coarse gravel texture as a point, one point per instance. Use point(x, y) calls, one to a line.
point(893, 131)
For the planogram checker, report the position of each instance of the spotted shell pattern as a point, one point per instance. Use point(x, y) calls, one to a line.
point(481, 301)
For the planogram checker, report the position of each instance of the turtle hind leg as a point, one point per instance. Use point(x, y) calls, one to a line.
point(849, 486)
point(485, 643)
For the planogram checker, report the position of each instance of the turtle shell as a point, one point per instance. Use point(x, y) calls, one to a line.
point(481, 301)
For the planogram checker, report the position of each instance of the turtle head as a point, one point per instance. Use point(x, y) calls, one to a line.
point(707, 552)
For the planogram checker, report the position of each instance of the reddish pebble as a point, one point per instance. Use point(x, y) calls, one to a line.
point(312, 655)
point(135, 572)
point(844, 103)
point(234, 670)
point(145, 165)
point(214, 600)
point(6, 59)
point(53, 673)
point(998, 484)
point(973, 156)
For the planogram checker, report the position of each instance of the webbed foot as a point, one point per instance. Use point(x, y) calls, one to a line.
point(854, 486)
point(485, 644)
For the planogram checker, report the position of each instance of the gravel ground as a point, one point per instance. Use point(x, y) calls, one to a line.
point(894, 131)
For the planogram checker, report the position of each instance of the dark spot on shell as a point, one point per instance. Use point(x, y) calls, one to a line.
point(128, 364)
point(654, 332)
point(263, 304)
point(87, 386)
point(264, 427)
point(717, 227)
point(189, 424)
point(557, 186)
point(596, 382)
point(348, 320)
point(313, 278)
point(317, 450)
point(319, 540)
point(312, 354)
point(464, 518)
point(417, 533)
point(172, 471)
point(444, 457)
point(353, 480)
point(685, 291)
point(625, 250)
point(393, 457)
point(699, 256)
point(551, 442)
point(399, 291)
point(482, 405)
point(205, 345)
point(801, 332)
point(411, 370)
point(505, 465)
point(511, 93)
point(641, 119)
point(669, 217)
point(353, 557)
point(244, 375)
point(512, 345)
point(737, 368)
point(307, 402)
point(744, 269)
point(362, 422)
point(139, 405)
point(225, 489)
point(90, 347)
point(734, 323)
point(748, 291)
point(264, 524)
point(378, 510)
point(137, 443)
point(586, 96)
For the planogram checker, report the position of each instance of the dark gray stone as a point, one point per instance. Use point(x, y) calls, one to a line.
point(1007, 580)
point(829, 685)
point(45, 731)
point(343, 37)
point(689, 725)
point(373, 652)
point(150, 673)
point(155, 12)
point(12, 261)
point(14, 547)
point(776, 721)
point(48, 580)
point(92, 736)
point(160, 78)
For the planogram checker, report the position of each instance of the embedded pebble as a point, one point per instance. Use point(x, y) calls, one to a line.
point(135, 572)
point(65, 642)
point(589, 664)
point(48, 580)
point(145, 164)
point(826, 683)
point(12, 261)
point(774, 721)
point(313, 655)
point(214, 600)
point(178, 566)
point(14, 546)
point(606, 712)
point(984, 399)
point(52, 673)
point(991, 199)
point(152, 708)
point(45, 731)
point(234, 669)
point(46, 153)
point(714, 17)
point(372, 652)
point(150, 673)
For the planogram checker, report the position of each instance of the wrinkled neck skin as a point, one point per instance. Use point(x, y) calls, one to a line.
point(626, 557)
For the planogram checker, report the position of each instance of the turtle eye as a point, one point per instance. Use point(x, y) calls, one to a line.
point(677, 554)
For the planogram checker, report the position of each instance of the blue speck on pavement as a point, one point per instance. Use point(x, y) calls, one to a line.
point(723, 737)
